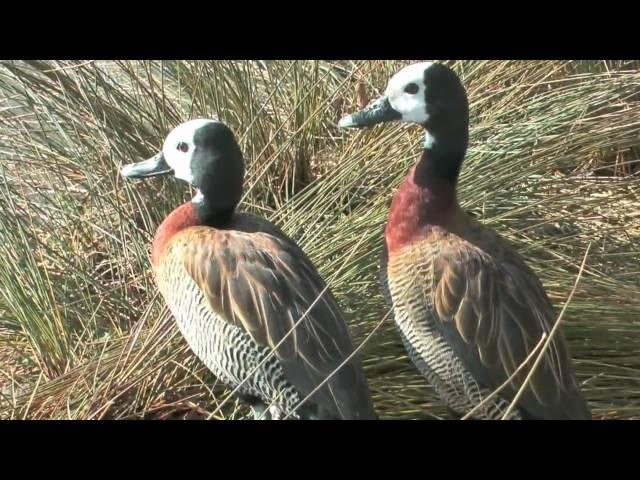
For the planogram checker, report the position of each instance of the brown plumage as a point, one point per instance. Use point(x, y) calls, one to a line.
point(468, 308)
point(237, 286)
point(489, 307)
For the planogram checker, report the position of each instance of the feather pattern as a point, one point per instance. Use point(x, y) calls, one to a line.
point(470, 311)
point(248, 301)
point(239, 291)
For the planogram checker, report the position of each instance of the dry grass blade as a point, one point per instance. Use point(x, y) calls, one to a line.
point(275, 348)
point(343, 363)
point(553, 331)
point(493, 394)
point(553, 165)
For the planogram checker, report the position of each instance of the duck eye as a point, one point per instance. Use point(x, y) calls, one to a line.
point(412, 88)
point(183, 147)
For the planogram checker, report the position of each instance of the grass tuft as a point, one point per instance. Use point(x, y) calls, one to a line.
point(553, 165)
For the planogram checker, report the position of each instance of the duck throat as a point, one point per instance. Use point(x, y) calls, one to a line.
point(442, 157)
point(196, 212)
point(184, 216)
point(426, 200)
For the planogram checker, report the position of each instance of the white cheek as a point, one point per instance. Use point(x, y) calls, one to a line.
point(183, 172)
point(181, 164)
point(429, 140)
point(198, 198)
point(412, 107)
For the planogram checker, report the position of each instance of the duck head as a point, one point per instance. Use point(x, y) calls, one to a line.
point(426, 93)
point(430, 95)
point(205, 154)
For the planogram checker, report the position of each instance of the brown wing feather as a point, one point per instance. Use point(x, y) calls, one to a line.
point(258, 279)
point(494, 310)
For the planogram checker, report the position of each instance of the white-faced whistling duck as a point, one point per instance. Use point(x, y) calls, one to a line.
point(237, 285)
point(468, 308)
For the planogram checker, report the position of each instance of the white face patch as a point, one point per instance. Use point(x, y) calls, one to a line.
point(411, 104)
point(198, 197)
point(429, 141)
point(179, 146)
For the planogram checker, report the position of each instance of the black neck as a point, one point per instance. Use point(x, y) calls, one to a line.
point(218, 173)
point(213, 215)
point(442, 157)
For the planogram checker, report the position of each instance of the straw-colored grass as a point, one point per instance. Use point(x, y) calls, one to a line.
point(553, 165)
